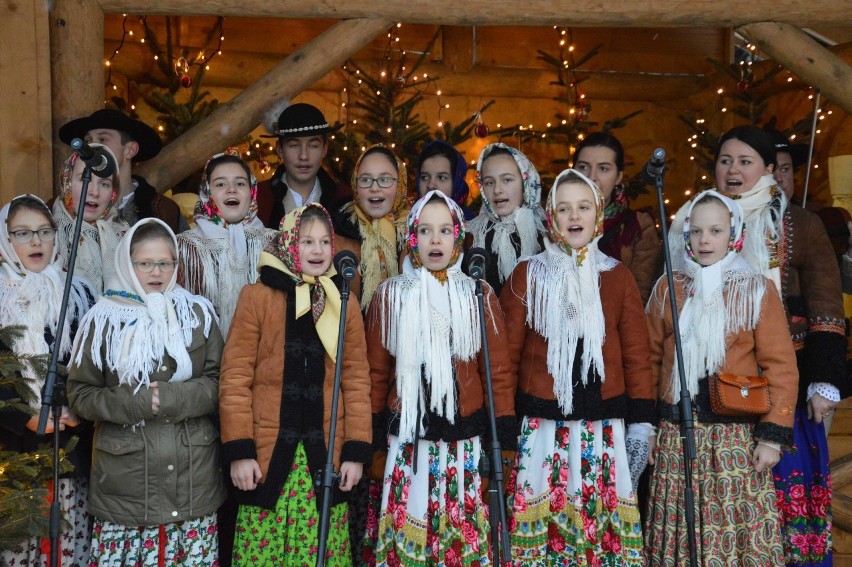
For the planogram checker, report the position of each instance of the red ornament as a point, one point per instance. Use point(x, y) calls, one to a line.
point(743, 85)
point(185, 81)
point(481, 130)
point(400, 81)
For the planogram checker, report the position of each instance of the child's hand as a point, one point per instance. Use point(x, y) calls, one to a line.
point(350, 475)
point(68, 419)
point(765, 457)
point(32, 424)
point(652, 444)
point(155, 397)
point(245, 474)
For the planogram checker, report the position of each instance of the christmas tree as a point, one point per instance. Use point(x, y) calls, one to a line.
point(24, 477)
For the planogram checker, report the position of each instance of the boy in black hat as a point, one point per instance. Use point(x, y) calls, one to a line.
point(302, 133)
point(131, 141)
point(790, 157)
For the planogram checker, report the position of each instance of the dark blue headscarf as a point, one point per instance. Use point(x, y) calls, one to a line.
point(459, 165)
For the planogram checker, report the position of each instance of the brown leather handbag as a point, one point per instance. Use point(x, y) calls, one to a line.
point(739, 396)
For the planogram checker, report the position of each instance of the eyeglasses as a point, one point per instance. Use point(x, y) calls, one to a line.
point(148, 267)
point(383, 182)
point(44, 234)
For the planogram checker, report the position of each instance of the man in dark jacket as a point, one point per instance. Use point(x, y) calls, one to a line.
point(131, 141)
point(302, 135)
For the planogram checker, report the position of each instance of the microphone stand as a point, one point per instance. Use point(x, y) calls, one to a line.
point(54, 385)
point(327, 476)
point(687, 420)
point(496, 486)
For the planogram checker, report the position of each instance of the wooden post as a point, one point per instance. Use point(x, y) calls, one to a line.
point(795, 50)
point(24, 101)
point(588, 13)
point(77, 66)
point(239, 116)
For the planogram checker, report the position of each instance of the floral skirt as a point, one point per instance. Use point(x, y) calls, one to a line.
point(736, 518)
point(803, 489)
point(289, 535)
point(434, 517)
point(570, 499)
point(369, 502)
point(74, 539)
point(191, 543)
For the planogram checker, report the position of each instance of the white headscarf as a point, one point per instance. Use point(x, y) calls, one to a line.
point(721, 299)
point(526, 220)
point(98, 240)
point(763, 208)
point(564, 300)
point(219, 258)
point(439, 308)
point(32, 300)
point(137, 328)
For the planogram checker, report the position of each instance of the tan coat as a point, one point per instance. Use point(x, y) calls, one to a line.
point(644, 256)
point(253, 367)
point(767, 350)
point(625, 351)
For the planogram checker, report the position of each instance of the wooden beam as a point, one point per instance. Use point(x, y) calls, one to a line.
point(240, 70)
point(239, 116)
point(76, 66)
point(585, 13)
point(25, 158)
point(798, 52)
point(841, 511)
point(841, 472)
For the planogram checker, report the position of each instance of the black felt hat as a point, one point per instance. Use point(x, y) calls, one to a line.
point(798, 152)
point(149, 141)
point(301, 119)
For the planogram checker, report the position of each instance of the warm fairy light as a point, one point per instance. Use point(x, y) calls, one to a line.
point(687, 192)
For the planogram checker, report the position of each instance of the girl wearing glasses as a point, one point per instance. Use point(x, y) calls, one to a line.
point(145, 369)
point(509, 224)
point(374, 226)
point(219, 255)
point(31, 288)
point(101, 229)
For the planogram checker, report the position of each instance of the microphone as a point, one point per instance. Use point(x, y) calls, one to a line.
point(345, 263)
point(98, 157)
point(474, 263)
point(655, 167)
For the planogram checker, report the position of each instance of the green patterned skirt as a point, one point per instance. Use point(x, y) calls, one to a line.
point(289, 535)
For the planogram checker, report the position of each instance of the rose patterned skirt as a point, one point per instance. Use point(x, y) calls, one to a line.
point(436, 516)
point(736, 519)
point(191, 543)
point(803, 490)
point(570, 499)
point(74, 540)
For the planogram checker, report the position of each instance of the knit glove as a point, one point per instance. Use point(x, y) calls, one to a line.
point(638, 449)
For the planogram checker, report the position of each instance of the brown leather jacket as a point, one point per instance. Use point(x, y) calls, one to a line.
point(470, 376)
point(629, 388)
point(767, 350)
point(250, 391)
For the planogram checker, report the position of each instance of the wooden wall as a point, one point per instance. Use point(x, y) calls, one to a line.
point(25, 136)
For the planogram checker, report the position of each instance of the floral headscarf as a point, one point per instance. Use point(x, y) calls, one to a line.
point(98, 240)
point(712, 308)
point(456, 214)
point(554, 233)
point(318, 295)
point(563, 294)
point(529, 174)
point(207, 209)
point(524, 224)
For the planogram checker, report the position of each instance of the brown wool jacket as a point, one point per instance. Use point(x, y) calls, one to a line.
point(643, 257)
point(470, 375)
point(629, 388)
point(251, 379)
point(767, 350)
